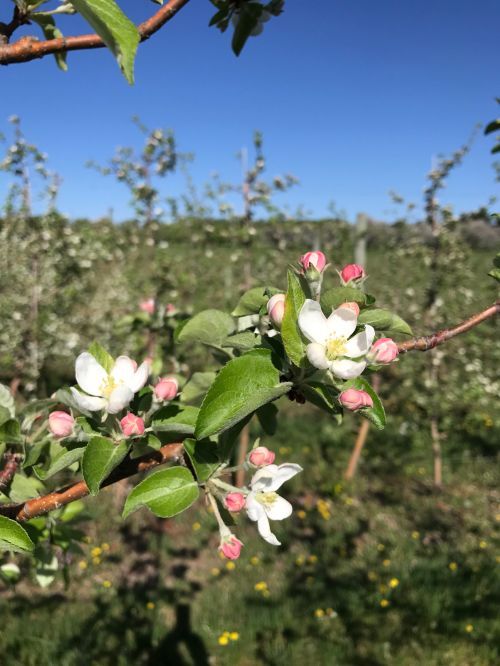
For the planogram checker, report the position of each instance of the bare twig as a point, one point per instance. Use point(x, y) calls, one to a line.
point(30, 48)
point(41, 505)
point(427, 342)
point(10, 468)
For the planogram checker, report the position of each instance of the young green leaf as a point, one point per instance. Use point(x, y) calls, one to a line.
point(383, 320)
point(290, 331)
point(102, 356)
point(51, 31)
point(211, 327)
point(203, 456)
point(63, 460)
point(242, 386)
point(166, 493)
point(252, 301)
point(117, 31)
point(333, 298)
point(175, 418)
point(101, 457)
point(13, 537)
point(196, 388)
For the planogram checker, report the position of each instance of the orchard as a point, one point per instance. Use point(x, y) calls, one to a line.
point(230, 434)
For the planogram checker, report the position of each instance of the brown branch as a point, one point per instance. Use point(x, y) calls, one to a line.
point(427, 342)
point(55, 500)
point(29, 48)
point(11, 464)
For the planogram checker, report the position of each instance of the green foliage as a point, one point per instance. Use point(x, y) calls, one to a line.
point(13, 537)
point(383, 320)
point(204, 456)
point(241, 387)
point(375, 414)
point(102, 356)
point(166, 493)
point(210, 327)
point(333, 298)
point(253, 300)
point(101, 457)
point(61, 460)
point(290, 331)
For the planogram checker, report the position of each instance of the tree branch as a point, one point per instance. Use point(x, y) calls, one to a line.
point(55, 500)
point(30, 48)
point(427, 342)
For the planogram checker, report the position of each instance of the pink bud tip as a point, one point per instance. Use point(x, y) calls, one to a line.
point(231, 547)
point(148, 305)
point(353, 399)
point(384, 350)
point(276, 308)
point(262, 456)
point(235, 502)
point(351, 306)
point(315, 259)
point(167, 388)
point(132, 425)
point(170, 308)
point(61, 424)
point(352, 272)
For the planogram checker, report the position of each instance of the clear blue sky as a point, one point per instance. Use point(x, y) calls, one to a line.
point(353, 97)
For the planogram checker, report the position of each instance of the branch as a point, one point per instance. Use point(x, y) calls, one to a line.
point(29, 48)
point(55, 500)
point(9, 470)
point(430, 341)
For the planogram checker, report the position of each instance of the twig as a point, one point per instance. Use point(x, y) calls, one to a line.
point(427, 342)
point(55, 500)
point(29, 48)
point(10, 468)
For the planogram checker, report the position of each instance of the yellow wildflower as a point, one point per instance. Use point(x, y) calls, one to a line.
point(223, 640)
point(261, 586)
point(196, 526)
point(107, 583)
point(234, 635)
point(150, 605)
point(230, 566)
point(301, 514)
point(394, 582)
point(384, 603)
point(386, 563)
point(82, 565)
point(319, 612)
point(96, 560)
point(452, 566)
point(215, 571)
point(95, 552)
point(469, 628)
point(415, 535)
point(105, 546)
point(254, 560)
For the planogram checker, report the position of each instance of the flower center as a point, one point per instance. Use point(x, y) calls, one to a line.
point(107, 387)
point(266, 499)
point(335, 347)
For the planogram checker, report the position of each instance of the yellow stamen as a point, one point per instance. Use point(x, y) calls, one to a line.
point(266, 499)
point(335, 347)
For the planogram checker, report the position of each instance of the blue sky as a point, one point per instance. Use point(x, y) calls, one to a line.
point(353, 97)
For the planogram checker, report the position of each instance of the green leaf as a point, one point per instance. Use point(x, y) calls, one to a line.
point(166, 493)
point(23, 488)
point(51, 31)
point(494, 126)
point(384, 320)
point(248, 19)
point(268, 418)
point(210, 327)
point(290, 331)
point(46, 568)
point(117, 31)
point(175, 418)
point(102, 356)
point(196, 388)
point(33, 452)
point(322, 396)
point(375, 414)
point(61, 461)
point(332, 298)
point(241, 387)
point(242, 341)
point(101, 457)
point(10, 432)
point(253, 300)
point(13, 537)
point(495, 273)
point(7, 400)
point(203, 456)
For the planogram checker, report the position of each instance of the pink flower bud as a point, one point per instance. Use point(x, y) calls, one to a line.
point(276, 308)
point(353, 399)
point(235, 502)
point(351, 306)
point(352, 272)
point(231, 547)
point(170, 308)
point(148, 305)
point(132, 425)
point(315, 259)
point(167, 388)
point(61, 424)
point(262, 456)
point(384, 350)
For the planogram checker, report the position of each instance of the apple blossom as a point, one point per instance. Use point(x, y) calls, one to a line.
point(234, 502)
point(352, 305)
point(230, 546)
point(132, 425)
point(167, 388)
point(315, 259)
point(148, 306)
point(331, 345)
point(384, 350)
point(261, 456)
point(61, 424)
point(353, 399)
point(276, 308)
point(352, 272)
point(109, 391)
point(263, 502)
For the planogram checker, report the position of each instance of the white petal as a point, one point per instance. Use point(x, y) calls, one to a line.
point(140, 377)
point(90, 374)
point(312, 322)
point(88, 402)
point(123, 370)
point(316, 355)
point(279, 509)
point(253, 508)
point(346, 369)
point(265, 531)
point(341, 323)
point(119, 399)
point(272, 477)
point(359, 344)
